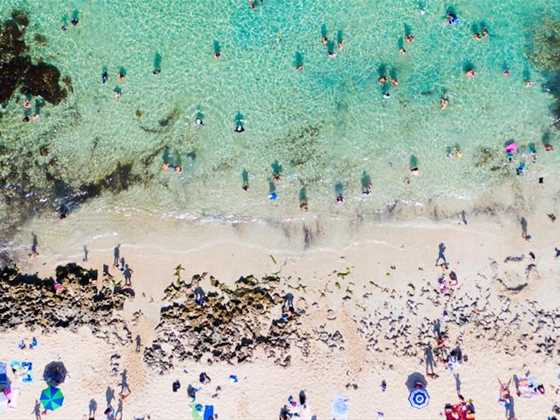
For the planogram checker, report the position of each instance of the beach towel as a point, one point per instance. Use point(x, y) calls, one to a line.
point(209, 412)
point(196, 411)
point(23, 370)
point(340, 408)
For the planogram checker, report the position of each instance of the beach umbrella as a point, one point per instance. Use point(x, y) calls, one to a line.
point(54, 373)
point(415, 380)
point(51, 398)
point(419, 398)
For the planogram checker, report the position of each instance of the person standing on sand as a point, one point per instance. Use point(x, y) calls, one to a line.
point(116, 255)
point(441, 254)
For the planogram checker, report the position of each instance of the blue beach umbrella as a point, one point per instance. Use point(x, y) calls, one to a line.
point(419, 398)
point(51, 398)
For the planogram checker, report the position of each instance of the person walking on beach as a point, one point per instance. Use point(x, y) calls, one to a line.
point(441, 254)
point(430, 363)
point(524, 233)
point(125, 389)
point(34, 244)
point(92, 409)
point(116, 255)
point(127, 273)
point(37, 410)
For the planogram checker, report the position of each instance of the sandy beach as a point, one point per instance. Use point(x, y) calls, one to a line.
point(368, 296)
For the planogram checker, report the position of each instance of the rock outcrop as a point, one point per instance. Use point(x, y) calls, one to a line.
point(70, 300)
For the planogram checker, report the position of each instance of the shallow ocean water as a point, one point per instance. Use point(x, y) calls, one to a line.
point(325, 125)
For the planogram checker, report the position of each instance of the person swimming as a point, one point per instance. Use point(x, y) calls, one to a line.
point(339, 192)
point(443, 102)
point(452, 18)
point(75, 17)
point(470, 73)
point(366, 183)
point(413, 166)
point(121, 75)
point(64, 25)
point(217, 50)
point(104, 75)
point(303, 202)
point(339, 40)
point(276, 170)
point(245, 180)
point(272, 195)
point(118, 92)
point(409, 38)
point(239, 127)
point(331, 51)
point(324, 32)
point(157, 63)
point(382, 80)
point(199, 119)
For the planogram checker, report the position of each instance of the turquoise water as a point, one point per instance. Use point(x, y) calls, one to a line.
point(324, 125)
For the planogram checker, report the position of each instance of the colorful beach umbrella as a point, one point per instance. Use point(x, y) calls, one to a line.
point(51, 398)
point(419, 398)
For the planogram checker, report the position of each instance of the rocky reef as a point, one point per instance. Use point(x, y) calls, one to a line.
point(231, 325)
point(69, 300)
point(17, 70)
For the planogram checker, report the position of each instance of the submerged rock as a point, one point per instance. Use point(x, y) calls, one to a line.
point(17, 69)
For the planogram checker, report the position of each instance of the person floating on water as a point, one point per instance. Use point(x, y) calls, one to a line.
point(443, 102)
point(118, 92)
point(339, 192)
point(276, 170)
point(366, 183)
point(217, 50)
point(408, 35)
point(331, 51)
point(157, 63)
point(245, 180)
point(324, 36)
point(75, 17)
point(413, 166)
point(393, 77)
